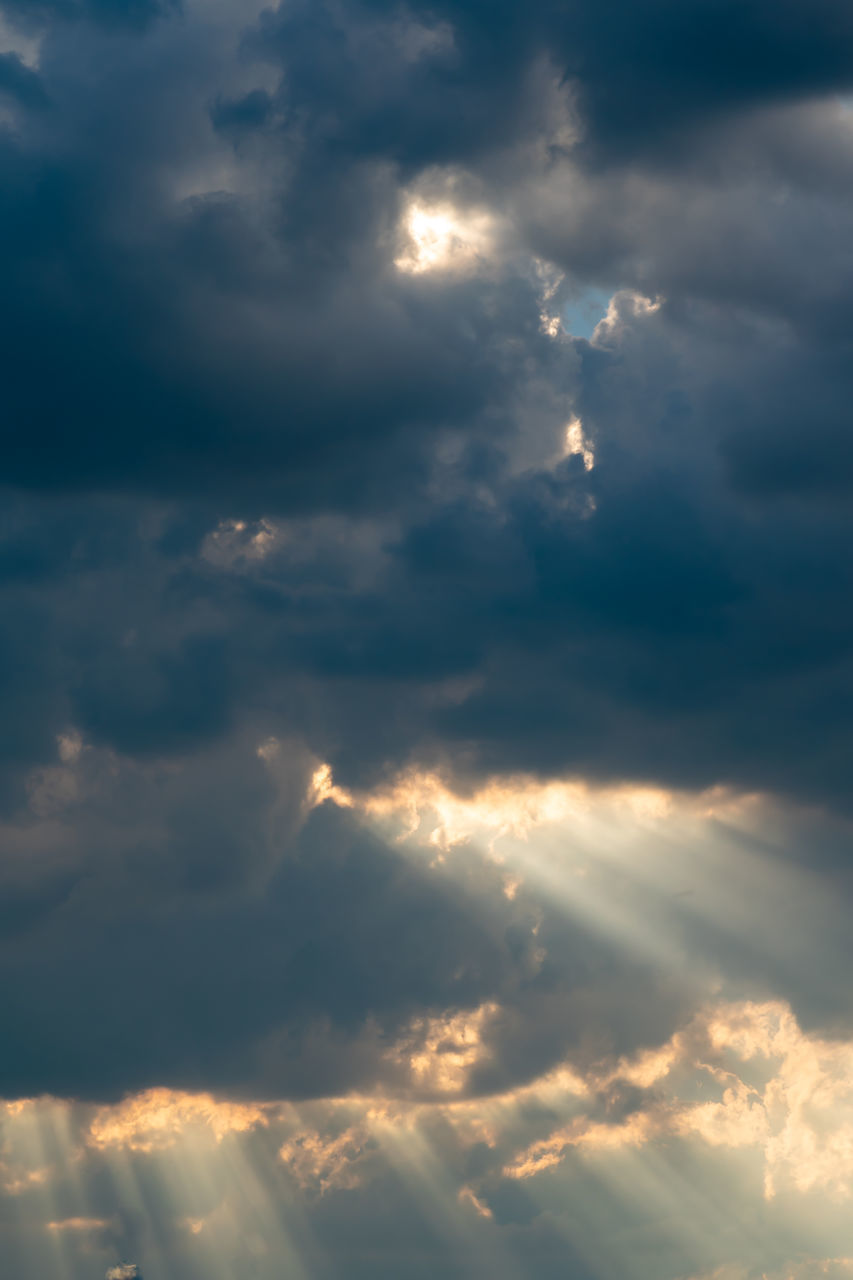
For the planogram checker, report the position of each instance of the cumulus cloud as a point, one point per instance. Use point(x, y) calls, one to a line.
point(737, 1080)
point(798, 1115)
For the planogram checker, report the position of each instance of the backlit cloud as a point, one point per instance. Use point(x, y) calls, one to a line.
point(427, 647)
point(439, 237)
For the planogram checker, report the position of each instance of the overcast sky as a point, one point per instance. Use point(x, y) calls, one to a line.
point(426, 580)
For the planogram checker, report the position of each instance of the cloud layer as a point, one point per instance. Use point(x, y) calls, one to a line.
point(427, 656)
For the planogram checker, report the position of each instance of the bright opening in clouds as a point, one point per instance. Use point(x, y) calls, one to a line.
point(441, 238)
point(584, 311)
point(427, 650)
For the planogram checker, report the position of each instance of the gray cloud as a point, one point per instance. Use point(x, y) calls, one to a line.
point(271, 500)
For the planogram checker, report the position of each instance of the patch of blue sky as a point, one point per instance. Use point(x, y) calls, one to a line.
point(584, 310)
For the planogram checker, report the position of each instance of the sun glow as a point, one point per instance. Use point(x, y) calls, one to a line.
point(770, 1088)
point(439, 1053)
point(800, 1117)
point(737, 1080)
point(576, 443)
point(150, 1121)
point(440, 237)
point(424, 805)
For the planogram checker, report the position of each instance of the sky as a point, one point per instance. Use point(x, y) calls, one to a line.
point(426, 835)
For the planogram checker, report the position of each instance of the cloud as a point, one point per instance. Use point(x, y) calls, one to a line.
point(158, 1118)
point(282, 374)
point(416, 714)
point(135, 13)
point(232, 914)
point(734, 1079)
point(798, 1116)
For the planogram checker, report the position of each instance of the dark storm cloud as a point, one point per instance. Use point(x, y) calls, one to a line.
point(19, 83)
point(204, 328)
point(182, 923)
point(262, 347)
point(32, 14)
point(233, 343)
point(644, 73)
point(648, 71)
point(201, 973)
